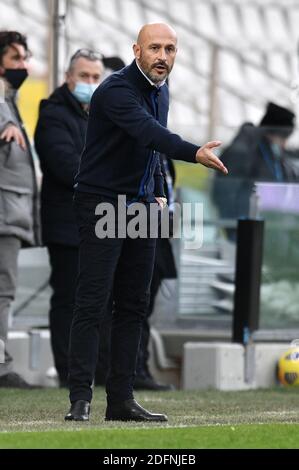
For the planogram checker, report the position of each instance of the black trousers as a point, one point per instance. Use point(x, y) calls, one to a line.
point(121, 265)
point(63, 281)
point(64, 269)
point(142, 370)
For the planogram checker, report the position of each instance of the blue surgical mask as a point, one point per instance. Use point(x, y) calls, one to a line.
point(84, 91)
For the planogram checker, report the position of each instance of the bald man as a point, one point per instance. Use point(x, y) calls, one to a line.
point(126, 134)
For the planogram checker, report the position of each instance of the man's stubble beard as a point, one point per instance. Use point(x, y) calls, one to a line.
point(157, 79)
point(148, 71)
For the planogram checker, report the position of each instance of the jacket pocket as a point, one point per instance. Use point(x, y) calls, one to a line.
point(16, 209)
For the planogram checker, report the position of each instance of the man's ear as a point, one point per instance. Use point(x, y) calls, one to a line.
point(2, 70)
point(136, 49)
point(67, 77)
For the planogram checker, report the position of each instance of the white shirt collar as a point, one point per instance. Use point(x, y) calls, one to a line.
point(148, 79)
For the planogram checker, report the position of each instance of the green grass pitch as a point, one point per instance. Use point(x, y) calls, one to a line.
point(266, 419)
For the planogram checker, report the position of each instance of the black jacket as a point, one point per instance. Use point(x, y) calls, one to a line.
point(59, 140)
point(249, 158)
point(125, 136)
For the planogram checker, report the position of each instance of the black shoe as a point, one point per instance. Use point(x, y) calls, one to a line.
point(13, 380)
point(129, 410)
point(148, 383)
point(79, 411)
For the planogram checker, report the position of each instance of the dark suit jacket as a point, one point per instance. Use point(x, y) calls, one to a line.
point(59, 140)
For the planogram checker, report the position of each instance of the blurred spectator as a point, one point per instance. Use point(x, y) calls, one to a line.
point(257, 153)
point(164, 268)
point(18, 190)
point(59, 141)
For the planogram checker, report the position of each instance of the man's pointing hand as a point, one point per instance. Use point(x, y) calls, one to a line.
point(206, 157)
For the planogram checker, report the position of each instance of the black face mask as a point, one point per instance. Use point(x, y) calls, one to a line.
point(16, 77)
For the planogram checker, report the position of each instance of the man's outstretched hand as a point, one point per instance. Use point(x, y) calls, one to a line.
point(206, 157)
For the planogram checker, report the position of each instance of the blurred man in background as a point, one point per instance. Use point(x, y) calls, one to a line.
point(59, 141)
point(164, 268)
point(257, 153)
point(18, 190)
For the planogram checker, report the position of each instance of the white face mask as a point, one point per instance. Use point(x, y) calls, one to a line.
point(84, 91)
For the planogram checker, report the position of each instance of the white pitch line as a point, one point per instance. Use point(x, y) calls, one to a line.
point(206, 425)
